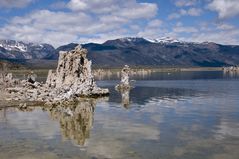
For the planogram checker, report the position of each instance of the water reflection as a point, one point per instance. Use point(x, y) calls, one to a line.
point(3, 114)
point(125, 97)
point(180, 119)
point(75, 120)
point(231, 74)
point(140, 96)
point(227, 128)
point(184, 75)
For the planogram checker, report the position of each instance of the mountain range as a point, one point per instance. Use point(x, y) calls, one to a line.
point(133, 51)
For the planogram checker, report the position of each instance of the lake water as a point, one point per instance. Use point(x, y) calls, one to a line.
point(180, 115)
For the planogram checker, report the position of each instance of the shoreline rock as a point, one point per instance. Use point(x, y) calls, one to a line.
point(73, 78)
point(124, 82)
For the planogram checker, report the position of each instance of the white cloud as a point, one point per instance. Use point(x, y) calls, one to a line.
point(129, 9)
point(57, 28)
point(93, 21)
point(152, 30)
point(50, 27)
point(230, 37)
point(185, 12)
point(185, 3)
point(225, 8)
point(155, 23)
point(14, 3)
point(185, 29)
point(78, 5)
point(58, 5)
point(194, 11)
point(100, 20)
point(224, 26)
point(222, 33)
point(174, 16)
point(113, 18)
point(142, 10)
point(178, 24)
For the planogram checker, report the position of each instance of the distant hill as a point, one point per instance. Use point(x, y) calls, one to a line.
point(134, 52)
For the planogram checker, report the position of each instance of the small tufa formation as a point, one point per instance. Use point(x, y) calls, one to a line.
point(124, 83)
point(73, 76)
point(231, 69)
point(125, 75)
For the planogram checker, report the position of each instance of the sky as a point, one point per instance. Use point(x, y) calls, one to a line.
point(60, 22)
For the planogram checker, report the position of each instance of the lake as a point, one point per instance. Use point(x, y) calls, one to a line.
point(181, 115)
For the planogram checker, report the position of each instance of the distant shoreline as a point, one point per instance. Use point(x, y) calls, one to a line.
point(153, 69)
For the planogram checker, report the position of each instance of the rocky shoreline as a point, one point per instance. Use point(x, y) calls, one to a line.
point(73, 78)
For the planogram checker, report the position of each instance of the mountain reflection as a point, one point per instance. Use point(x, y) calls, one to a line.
point(75, 120)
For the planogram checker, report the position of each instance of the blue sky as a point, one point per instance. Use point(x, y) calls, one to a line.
point(60, 22)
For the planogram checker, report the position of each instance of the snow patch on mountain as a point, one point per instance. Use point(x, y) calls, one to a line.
point(164, 40)
point(130, 39)
point(11, 45)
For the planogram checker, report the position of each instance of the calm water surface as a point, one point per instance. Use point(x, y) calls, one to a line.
point(177, 115)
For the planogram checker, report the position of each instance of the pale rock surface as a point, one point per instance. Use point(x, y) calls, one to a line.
point(73, 78)
point(7, 80)
point(231, 69)
point(124, 83)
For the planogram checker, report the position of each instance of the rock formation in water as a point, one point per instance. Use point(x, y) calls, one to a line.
point(73, 78)
point(124, 83)
point(124, 87)
point(125, 75)
point(231, 69)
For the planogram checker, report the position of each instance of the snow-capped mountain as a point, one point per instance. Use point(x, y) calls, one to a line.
point(134, 51)
point(13, 45)
point(11, 49)
point(141, 39)
point(165, 40)
point(127, 41)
